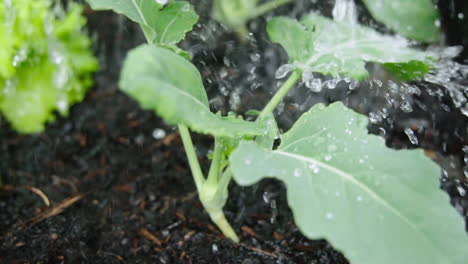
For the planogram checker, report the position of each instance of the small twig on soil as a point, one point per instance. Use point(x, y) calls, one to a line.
point(148, 235)
point(41, 194)
point(56, 210)
point(249, 231)
point(261, 251)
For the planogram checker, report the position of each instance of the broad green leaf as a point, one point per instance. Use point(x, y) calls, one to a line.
point(161, 24)
point(296, 39)
point(174, 21)
point(170, 85)
point(338, 47)
point(141, 11)
point(407, 71)
point(416, 19)
point(376, 204)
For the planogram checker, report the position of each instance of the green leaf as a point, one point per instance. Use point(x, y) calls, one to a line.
point(296, 39)
point(140, 11)
point(407, 71)
point(174, 21)
point(416, 19)
point(376, 204)
point(170, 85)
point(161, 24)
point(338, 47)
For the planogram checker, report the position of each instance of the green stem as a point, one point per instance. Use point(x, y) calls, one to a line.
point(224, 181)
point(267, 7)
point(192, 157)
point(217, 216)
point(211, 200)
point(280, 94)
point(213, 175)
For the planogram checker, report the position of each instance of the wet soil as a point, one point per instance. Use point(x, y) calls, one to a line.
point(120, 195)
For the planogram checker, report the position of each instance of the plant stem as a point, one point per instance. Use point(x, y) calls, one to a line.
point(213, 175)
point(225, 180)
point(267, 7)
point(280, 94)
point(217, 216)
point(192, 157)
point(210, 200)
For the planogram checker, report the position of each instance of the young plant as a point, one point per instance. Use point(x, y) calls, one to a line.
point(45, 62)
point(375, 204)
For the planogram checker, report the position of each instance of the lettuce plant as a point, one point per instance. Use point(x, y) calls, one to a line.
point(376, 204)
point(45, 62)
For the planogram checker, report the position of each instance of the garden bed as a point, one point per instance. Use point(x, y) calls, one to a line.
point(117, 177)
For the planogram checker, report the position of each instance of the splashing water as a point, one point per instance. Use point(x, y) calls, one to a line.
point(345, 11)
point(412, 137)
point(283, 71)
point(451, 75)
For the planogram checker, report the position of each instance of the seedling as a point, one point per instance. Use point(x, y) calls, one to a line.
point(375, 204)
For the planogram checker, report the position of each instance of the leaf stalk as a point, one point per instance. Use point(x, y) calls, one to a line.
point(215, 169)
point(280, 94)
point(192, 157)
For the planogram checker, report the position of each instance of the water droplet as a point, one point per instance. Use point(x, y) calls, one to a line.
point(186, 8)
point(406, 106)
point(161, 2)
point(61, 76)
point(159, 133)
point(353, 84)
point(382, 131)
point(379, 83)
point(214, 248)
point(375, 117)
point(412, 137)
point(331, 84)
point(315, 169)
point(337, 194)
point(283, 71)
point(359, 198)
point(328, 157)
point(62, 105)
point(19, 57)
point(315, 85)
point(297, 172)
point(255, 57)
point(329, 216)
point(267, 197)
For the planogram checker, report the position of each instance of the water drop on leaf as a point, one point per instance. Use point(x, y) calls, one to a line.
point(283, 71)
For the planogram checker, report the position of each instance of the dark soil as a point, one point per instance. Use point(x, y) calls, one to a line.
point(121, 196)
